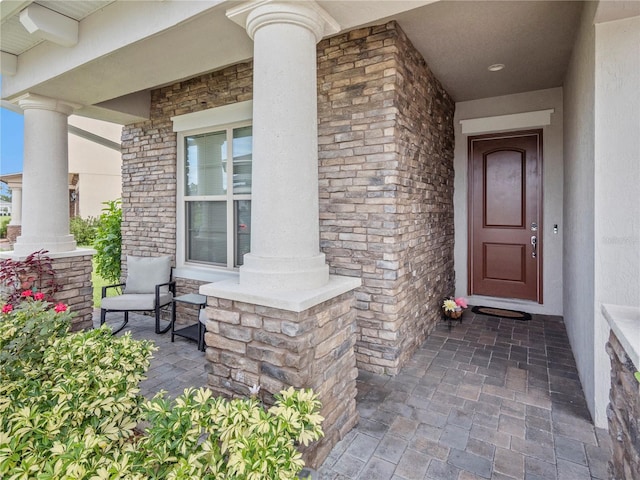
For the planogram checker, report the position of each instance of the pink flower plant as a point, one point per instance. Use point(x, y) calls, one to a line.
point(461, 302)
point(60, 307)
point(27, 294)
point(7, 308)
point(38, 296)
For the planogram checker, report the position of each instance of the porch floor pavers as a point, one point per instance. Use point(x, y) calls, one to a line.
point(491, 398)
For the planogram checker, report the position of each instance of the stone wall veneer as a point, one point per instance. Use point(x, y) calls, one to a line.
point(385, 136)
point(386, 187)
point(623, 414)
point(149, 157)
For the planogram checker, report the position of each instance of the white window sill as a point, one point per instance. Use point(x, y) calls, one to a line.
point(625, 323)
point(203, 274)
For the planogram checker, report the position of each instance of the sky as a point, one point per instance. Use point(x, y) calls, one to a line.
point(11, 141)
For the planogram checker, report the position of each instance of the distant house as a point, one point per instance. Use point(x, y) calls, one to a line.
point(94, 156)
point(5, 209)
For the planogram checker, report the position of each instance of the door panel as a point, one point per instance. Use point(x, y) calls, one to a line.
point(504, 262)
point(503, 186)
point(504, 204)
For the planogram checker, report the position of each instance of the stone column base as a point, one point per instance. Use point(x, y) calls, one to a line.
point(76, 289)
point(13, 232)
point(73, 275)
point(250, 344)
point(623, 413)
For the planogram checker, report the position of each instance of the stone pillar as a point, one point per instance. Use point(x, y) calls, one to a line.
point(285, 252)
point(277, 348)
point(45, 177)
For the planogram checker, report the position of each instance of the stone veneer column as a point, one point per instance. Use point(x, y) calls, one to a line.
point(45, 177)
point(285, 252)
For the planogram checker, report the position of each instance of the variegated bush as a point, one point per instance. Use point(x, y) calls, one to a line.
point(70, 405)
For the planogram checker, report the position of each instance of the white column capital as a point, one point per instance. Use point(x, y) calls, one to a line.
point(256, 14)
point(40, 102)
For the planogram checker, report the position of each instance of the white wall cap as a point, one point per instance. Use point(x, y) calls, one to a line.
point(625, 323)
point(296, 301)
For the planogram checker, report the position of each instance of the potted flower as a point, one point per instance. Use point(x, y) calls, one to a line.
point(453, 307)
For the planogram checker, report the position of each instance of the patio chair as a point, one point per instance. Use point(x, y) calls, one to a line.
point(149, 287)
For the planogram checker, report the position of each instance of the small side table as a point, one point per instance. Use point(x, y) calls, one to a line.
point(193, 332)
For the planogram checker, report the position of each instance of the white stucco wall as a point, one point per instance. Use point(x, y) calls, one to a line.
point(552, 194)
point(617, 183)
point(99, 167)
point(578, 261)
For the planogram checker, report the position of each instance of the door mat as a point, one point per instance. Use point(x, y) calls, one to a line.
point(502, 313)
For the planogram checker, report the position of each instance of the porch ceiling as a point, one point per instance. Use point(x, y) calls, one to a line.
point(128, 48)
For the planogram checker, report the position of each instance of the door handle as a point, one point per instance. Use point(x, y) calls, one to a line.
point(534, 246)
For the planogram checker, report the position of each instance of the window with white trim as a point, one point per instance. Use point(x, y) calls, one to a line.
point(215, 195)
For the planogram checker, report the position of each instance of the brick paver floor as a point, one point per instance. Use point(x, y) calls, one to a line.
point(174, 367)
point(489, 399)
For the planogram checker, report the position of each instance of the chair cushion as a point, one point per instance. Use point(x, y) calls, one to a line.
point(137, 301)
point(144, 273)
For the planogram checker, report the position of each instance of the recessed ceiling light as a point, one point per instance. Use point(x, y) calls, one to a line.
point(496, 67)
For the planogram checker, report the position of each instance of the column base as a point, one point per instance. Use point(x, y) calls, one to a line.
point(249, 344)
point(284, 274)
point(73, 276)
point(55, 244)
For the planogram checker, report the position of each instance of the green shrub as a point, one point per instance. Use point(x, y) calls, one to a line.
point(83, 229)
point(26, 330)
point(70, 408)
point(108, 242)
point(4, 221)
point(243, 440)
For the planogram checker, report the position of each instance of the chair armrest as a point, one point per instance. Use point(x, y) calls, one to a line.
point(171, 285)
point(104, 289)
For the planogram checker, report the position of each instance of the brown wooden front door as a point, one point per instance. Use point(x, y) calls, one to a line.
point(505, 213)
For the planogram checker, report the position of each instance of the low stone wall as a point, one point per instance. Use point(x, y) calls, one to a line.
point(623, 414)
point(253, 345)
point(73, 274)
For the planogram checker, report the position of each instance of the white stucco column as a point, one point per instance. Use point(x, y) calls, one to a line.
point(45, 178)
point(285, 253)
point(16, 203)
